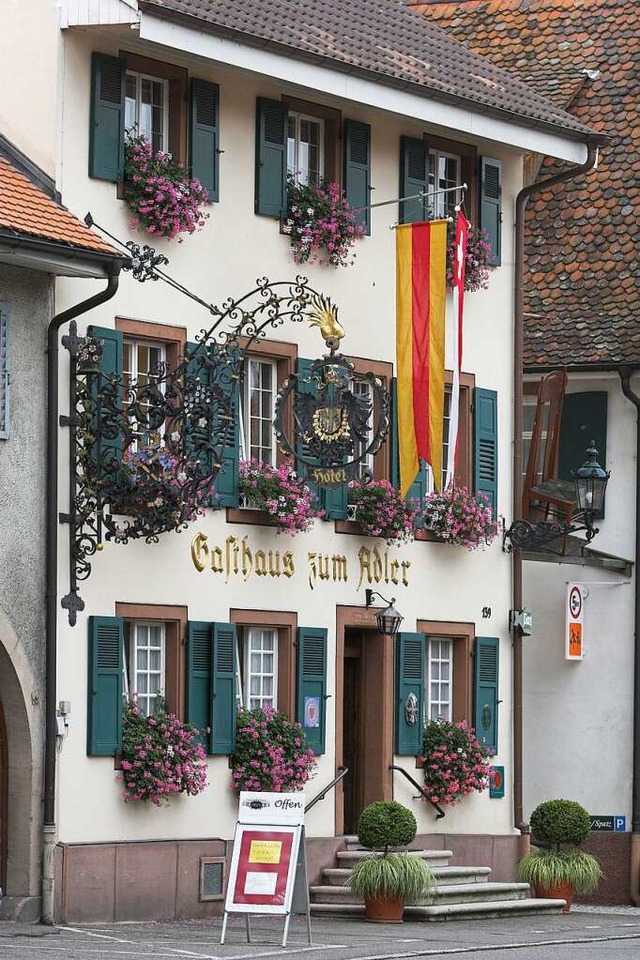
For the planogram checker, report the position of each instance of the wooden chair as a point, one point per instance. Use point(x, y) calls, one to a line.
point(544, 496)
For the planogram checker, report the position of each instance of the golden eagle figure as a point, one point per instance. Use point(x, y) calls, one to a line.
point(324, 315)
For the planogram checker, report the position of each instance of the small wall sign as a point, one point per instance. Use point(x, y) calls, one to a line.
point(496, 783)
point(311, 712)
point(574, 622)
point(608, 823)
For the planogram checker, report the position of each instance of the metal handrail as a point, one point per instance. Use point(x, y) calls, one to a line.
point(341, 774)
point(439, 811)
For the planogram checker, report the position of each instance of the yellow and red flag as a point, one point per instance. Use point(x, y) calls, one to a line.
point(421, 250)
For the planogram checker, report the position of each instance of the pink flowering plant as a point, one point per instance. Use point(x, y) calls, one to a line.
point(164, 199)
point(381, 511)
point(477, 260)
point(457, 516)
point(161, 755)
point(321, 225)
point(280, 493)
point(454, 762)
point(153, 480)
point(271, 752)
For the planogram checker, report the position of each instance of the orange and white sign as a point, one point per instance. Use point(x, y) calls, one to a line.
point(574, 621)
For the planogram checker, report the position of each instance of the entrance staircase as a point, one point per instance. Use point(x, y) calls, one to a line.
point(462, 893)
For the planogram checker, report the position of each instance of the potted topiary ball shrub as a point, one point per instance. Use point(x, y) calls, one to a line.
point(558, 869)
point(389, 878)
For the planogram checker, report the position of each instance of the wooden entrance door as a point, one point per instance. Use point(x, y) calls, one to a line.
point(367, 722)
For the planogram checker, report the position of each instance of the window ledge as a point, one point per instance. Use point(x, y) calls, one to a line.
point(248, 515)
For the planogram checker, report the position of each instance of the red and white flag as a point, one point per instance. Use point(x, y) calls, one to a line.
point(459, 257)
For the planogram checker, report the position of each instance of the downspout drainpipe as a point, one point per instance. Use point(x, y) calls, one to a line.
point(521, 203)
point(51, 589)
point(634, 865)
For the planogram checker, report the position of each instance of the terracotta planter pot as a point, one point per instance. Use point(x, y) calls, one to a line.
point(384, 911)
point(562, 891)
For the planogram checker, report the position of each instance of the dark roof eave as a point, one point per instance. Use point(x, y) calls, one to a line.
point(339, 66)
point(36, 245)
point(598, 366)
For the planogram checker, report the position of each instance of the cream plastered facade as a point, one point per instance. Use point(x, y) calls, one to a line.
point(585, 708)
point(223, 260)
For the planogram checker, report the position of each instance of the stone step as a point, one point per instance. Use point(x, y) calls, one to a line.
point(443, 894)
point(451, 911)
point(338, 876)
point(434, 858)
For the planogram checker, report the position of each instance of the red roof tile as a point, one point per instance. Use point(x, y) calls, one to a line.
point(29, 212)
point(582, 289)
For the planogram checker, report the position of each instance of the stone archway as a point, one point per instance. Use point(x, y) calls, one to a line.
point(21, 751)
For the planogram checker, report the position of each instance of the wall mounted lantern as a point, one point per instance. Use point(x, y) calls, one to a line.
point(590, 483)
point(389, 619)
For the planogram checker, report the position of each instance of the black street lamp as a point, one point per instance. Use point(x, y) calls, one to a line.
point(590, 482)
point(389, 619)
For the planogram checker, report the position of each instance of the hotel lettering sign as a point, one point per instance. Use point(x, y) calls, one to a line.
point(237, 558)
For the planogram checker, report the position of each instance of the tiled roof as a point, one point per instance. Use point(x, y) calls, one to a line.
point(379, 38)
point(582, 288)
point(28, 213)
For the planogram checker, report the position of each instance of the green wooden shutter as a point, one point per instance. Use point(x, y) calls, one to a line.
point(420, 486)
point(490, 213)
point(303, 367)
point(410, 669)
point(204, 132)
point(357, 173)
point(486, 691)
point(485, 444)
point(200, 677)
point(271, 158)
point(111, 364)
point(312, 683)
point(584, 418)
point(414, 177)
point(4, 370)
point(226, 486)
point(105, 686)
point(106, 128)
point(223, 700)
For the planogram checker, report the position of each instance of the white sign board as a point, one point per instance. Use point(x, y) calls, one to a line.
point(574, 622)
point(271, 808)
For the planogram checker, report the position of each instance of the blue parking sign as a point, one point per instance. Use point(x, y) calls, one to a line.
point(620, 824)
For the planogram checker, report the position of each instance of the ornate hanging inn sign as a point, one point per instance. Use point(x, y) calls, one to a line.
point(340, 417)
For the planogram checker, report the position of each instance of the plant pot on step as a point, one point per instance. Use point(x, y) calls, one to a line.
point(387, 879)
point(558, 891)
point(384, 911)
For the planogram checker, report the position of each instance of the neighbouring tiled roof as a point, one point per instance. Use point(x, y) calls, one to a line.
point(582, 290)
point(28, 213)
point(379, 38)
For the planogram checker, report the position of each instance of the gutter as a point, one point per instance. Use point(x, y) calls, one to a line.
point(51, 593)
point(634, 860)
point(521, 203)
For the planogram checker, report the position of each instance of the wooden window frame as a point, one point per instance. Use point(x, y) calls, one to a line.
point(463, 635)
point(382, 369)
point(284, 355)
point(177, 78)
point(468, 168)
point(286, 623)
point(332, 119)
point(173, 338)
point(175, 620)
point(463, 476)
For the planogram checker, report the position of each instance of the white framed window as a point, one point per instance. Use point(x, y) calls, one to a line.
point(446, 417)
point(258, 681)
point(4, 371)
point(445, 171)
point(439, 678)
point(145, 663)
point(257, 410)
point(146, 109)
point(360, 388)
point(305, 148)
point(141, 359)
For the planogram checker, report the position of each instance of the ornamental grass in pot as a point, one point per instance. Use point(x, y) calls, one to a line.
point(390, 877)
point(558, 869)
